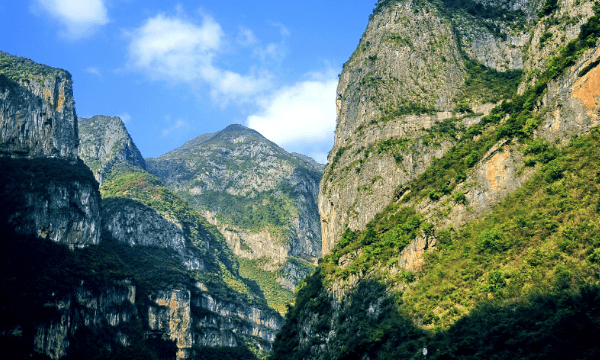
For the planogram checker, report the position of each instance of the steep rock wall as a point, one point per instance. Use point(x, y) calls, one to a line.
point(105, 144)
point(110, 308)
point(45, 186)
point(422, 57)
point(67, 214)
point(37, 114)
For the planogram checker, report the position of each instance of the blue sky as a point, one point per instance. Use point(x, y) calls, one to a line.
point(175, 70)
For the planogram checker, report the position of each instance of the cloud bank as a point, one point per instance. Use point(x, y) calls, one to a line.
point(179, 50)
point(80, 18)
point(300, 117)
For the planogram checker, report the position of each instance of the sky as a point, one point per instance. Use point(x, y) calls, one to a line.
point(173, 70)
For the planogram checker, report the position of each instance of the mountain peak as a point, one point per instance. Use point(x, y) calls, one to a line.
point(236, 127)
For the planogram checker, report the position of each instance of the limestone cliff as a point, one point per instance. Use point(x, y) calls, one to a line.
point(37, 110)
point(416, 82)
point(263, 199)
point(442, 186)
point(105, 146)
point(39, 136)
point(145, 278)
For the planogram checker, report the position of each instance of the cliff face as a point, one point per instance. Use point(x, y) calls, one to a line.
point(263, 199)
point(39, 133)
point(37, 111)
point(434, 207)
point(399, 94)
point(415, 84)
point(84, 308)
point(106, 146)
point(146, 277)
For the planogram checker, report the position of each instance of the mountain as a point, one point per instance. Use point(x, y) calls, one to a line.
point(262, 198)
point(129, 270)
point(39, 136)
point(139, 211)
point(453, 208)
point(104, 143)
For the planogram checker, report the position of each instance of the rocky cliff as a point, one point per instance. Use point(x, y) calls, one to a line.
point(449, 200)
point(138, 274)
point(106, 146)
point(37, 113)
point(262, 198)
point(414, 83)
point(199, 299)
point(52, 194)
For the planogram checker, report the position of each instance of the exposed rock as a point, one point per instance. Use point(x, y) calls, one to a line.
point(263, 199)
point(135, 224)
point(37, 111)
point(67, 214)
point(105, 144)
point(110, 308)
point(38, 130)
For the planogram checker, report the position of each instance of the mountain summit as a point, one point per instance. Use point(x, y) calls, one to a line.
point(262, 198)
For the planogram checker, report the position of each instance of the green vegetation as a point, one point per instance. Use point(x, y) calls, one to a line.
point(221, 275)
point(393, 111)
point(486, 85)
point(549, 7)
point(556, 325)
point(36, 174)
point(271, 208)
point(525, 246)
point(522, 120)
point(386, 235)
point(17, 69)
point(398, 40)
point(276, 295)
point(520, 283)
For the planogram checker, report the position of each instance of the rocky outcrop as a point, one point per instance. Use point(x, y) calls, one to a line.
point(45, 187)
point(263, 199)
point(84, 308)
point(37, 110)
point(398, 69)
point(65, 213)
point(105, 145)
point(135, 224)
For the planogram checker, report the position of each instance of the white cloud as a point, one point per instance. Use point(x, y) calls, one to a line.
point(301, 117)
point(178, 50)
point(180, 124)
point(272, 51)
point(81, 18)
point(246, 37)
point(94, 70)
point(283, 31)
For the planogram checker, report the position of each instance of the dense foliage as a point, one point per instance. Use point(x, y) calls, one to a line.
point(520, 283)
point(16, 69)
point(266, 208)
point(276, 295)
point(221, 274)
point(556, 325)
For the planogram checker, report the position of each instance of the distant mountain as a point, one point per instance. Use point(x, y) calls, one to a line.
point(104, 144)
point(262, 198)
point(174, 248)
point(127, 271)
